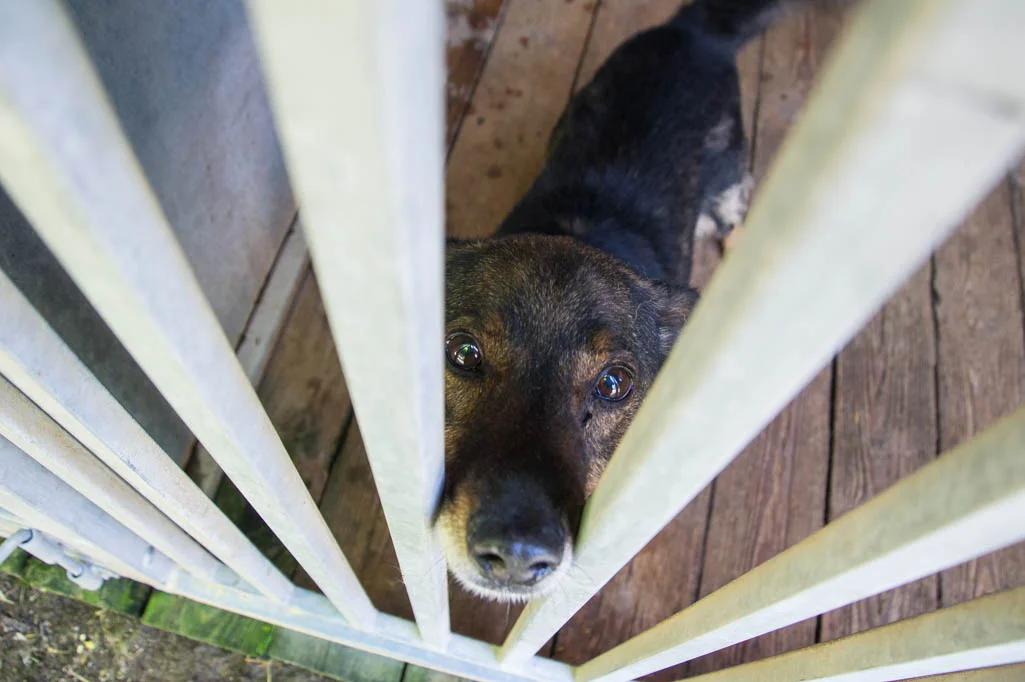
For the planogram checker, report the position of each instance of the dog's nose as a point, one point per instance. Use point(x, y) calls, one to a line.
point(516, 558)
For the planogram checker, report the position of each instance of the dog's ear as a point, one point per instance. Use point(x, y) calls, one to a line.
point(677, 304)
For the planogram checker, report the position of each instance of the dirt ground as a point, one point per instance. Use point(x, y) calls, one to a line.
point(49, 638)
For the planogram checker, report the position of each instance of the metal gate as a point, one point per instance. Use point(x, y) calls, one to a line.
point(919, 112)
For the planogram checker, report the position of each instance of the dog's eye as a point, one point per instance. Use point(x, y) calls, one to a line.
point(615, 383)
point(463, 351)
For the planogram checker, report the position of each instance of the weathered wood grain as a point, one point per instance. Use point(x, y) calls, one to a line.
point(521, 93)
point(884, 429)
point(981, 355)
point(304, 392)
point(471, 26)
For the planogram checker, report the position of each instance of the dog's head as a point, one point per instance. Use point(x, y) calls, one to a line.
point(550, 347)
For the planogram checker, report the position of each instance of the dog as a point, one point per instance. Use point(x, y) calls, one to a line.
point(557, 326)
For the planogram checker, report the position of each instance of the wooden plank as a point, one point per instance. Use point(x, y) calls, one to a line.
point(208, 624)
point(770, 498)
point(353, 510)
point(471, 27)
point(260, 337)
point(981, 359)
point(417, 674)
point(275, 304)
point(949, 511)
point(982, 633)
point(335, 660)
point(657, 583)
point(523, 89)
point(1017, 181)
point(304, 392)
point(811, 243)
point(884, 429)
point(366, 160)
point(773, 495)
point(75, 177)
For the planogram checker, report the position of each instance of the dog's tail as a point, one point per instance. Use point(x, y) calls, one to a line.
point(733, 22)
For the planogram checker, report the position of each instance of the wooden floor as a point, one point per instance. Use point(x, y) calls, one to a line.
point(940, 362)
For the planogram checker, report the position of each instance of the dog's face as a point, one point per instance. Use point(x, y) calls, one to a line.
point(550, 348)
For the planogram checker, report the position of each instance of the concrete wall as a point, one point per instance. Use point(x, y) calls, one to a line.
point(185, 81)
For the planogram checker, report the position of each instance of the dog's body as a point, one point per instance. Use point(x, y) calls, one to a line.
point(557, 326)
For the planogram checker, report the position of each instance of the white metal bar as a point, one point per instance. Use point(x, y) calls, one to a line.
point(985, 632)
point(1004, 673)
point(357, 88)
point(42, 439)
point(919, 112)
point(394, 637)
point(67, 164)
point(261, 334)
point(48, 504)
point(968, 502)
point(36, 360)
point(6, 515)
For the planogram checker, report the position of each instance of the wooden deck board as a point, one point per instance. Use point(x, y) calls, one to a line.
point(304, 392)
point(981, 360)
point(523, 88)
point(472, 24)
point(353, 510)
point(884, 429)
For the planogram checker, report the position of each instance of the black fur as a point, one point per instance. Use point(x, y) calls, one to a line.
point(645, 147)
point(591, 268)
